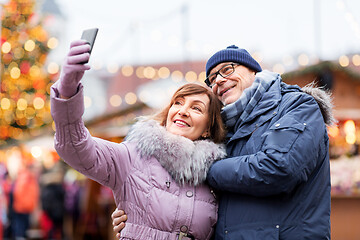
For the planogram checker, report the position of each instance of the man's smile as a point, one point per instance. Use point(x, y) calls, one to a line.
point(225, 90)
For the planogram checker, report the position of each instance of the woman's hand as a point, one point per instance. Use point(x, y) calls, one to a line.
point(73, 68)
point(119, 218)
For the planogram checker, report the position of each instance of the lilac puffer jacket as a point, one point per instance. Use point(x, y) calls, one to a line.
point(156, 177)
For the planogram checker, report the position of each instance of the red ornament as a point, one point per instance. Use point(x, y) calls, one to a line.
point(3, 39)
point(25, 67)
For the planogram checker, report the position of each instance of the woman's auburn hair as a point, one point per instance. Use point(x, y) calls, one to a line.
point(216, 126)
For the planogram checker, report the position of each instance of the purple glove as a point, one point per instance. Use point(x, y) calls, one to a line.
point(73, 68)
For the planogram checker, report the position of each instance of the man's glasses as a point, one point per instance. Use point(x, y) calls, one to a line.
point(225, 71)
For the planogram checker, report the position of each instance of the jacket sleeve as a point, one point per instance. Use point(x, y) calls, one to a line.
point(291, 149)
point(103, 161)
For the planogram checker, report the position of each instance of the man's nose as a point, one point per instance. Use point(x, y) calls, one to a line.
point(219, 79)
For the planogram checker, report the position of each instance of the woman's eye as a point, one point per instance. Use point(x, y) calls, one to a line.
point(197, 109)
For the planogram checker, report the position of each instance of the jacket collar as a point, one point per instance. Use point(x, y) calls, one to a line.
point(187, 161)
point(265, 109)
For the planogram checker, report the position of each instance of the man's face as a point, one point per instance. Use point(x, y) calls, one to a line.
point(230, 88)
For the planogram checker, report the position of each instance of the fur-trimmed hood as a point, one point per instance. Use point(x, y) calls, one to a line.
point(324, 100)
point(187, 161)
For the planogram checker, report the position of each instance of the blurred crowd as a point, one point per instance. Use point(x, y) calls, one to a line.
point(52, 203)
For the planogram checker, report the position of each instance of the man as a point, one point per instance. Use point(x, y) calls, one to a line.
point(275, 182)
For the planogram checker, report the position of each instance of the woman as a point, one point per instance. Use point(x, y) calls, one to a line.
point(157, 174)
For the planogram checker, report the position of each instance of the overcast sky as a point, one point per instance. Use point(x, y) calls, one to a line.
point(158, 31)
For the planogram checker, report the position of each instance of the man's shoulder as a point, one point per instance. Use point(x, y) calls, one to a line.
point(289, 88)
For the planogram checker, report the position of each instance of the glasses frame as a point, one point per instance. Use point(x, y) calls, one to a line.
point(207, 81)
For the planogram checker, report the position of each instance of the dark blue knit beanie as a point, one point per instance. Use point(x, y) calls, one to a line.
point(232, 54)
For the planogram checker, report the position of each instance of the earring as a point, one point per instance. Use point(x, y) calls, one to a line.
point(206, 135)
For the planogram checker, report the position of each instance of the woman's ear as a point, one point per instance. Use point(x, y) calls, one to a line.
point(205, 134)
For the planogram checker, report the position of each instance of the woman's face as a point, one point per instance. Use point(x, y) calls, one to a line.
point(189, 117)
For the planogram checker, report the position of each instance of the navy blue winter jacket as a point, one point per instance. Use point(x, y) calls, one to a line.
point(275, 183)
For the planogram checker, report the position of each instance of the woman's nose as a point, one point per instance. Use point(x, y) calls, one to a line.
point(183, 111)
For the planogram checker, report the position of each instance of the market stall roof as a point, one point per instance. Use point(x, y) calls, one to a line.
point(352, 70)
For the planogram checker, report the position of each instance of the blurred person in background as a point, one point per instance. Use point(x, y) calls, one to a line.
point(52, 202)
point(275, 181)
point(7, 186)
point(3, 200)
point(25, 199)
point(157, 174)
point(74, 191)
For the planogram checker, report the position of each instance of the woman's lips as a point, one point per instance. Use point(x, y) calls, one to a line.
point(181, 123)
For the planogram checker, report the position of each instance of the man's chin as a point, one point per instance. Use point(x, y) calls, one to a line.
point(226, 101)
point(229, 97)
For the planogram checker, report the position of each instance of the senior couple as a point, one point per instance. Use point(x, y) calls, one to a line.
point(260, 170)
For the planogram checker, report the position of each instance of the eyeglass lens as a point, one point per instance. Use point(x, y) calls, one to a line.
point(224, 72)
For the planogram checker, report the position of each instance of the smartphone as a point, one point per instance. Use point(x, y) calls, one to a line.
point(90, 35)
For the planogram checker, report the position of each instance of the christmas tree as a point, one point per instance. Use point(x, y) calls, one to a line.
point(25, 83)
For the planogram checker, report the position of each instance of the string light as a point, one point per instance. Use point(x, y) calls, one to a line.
point(130, 98)
point(279, 68)
point(36, 151)
point(115, 100)
point(350, 129)
point(38, 103)
point(177, 76)
point(52, 42)
point(344, 61)
point(149, 72)
point(6, 47)
point(191, 76)
point(164, 72)
point(21, 104)
point(127, 70)
point(303, 59)
point(5, 103)
point(140, 72)
point(202, 76)
point(35, 71)
point(356, 59)
point(53, 68)
point(29, 45)
point(15, 73)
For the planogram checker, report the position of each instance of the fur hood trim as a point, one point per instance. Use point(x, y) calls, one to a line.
point(187, 161)
point(324, 100)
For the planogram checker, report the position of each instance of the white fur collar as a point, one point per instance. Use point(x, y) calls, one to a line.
point(187, 161)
